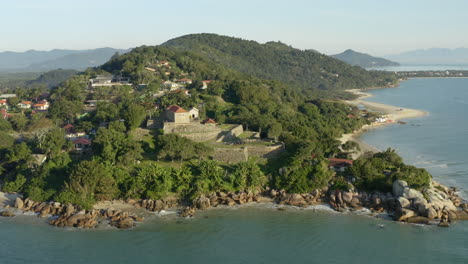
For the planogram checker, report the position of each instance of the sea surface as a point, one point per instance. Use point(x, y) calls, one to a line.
point(435, 67)
point(255, 234)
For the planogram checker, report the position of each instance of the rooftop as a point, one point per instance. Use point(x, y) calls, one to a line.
point(176, 109)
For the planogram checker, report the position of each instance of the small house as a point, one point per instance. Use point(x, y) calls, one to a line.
point(6, 96)
point(339, 165)
point(185, 81)
point(177, 114)
point(205, 84)
point(42, 105)
point(70, 131)
point(3, 103)
point(209, 122)
point(25, 104)
point(193, 113)
point(81, 144)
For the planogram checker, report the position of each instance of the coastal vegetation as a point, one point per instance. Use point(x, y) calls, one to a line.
point(283, 94)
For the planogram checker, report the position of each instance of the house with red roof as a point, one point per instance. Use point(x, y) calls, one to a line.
point(209, 121)
point(339, 165)
point(81, 144)
point(3, 103)
point(185, 81)
point(41, 105)
point(177, 114)
point(205, 84)
point(25, 104)
point(70, 131)
point(4, 114)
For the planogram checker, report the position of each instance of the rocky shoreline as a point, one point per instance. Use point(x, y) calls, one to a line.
point(437, 205)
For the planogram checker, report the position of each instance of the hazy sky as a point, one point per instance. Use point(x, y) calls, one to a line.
point(379, 27)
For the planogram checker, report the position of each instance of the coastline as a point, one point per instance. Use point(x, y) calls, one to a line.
point(393, 113)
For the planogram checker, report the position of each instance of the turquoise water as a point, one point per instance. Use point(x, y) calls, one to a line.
point(264, 235)
point(437, 142)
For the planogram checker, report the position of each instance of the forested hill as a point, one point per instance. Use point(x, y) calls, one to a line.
point(363, 60)
point(307, 69)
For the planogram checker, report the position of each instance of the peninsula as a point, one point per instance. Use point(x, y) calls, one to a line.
point(205, 121)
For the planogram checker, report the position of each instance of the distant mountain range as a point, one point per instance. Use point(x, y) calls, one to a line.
point(41, 61)
point(364, 60)
point(432, 56)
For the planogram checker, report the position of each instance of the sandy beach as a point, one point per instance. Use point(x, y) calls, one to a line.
point(392, 113)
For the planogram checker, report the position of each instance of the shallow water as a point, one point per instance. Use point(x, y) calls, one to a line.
point(246, 235)
point(255, 234)
point(437, 142)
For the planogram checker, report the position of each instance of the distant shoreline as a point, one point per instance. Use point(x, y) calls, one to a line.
point(393, 113)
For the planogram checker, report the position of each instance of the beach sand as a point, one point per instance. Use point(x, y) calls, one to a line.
point(393, 113)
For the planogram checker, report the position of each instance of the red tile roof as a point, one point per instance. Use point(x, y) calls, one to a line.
point(176, 109)
point(207, 81)
point(3, 101)
point(209, 121)
point(4, 113)
point(82, 141)
point(26, 102)
point(340, 162)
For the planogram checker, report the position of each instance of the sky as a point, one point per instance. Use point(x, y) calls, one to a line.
point(378, 27)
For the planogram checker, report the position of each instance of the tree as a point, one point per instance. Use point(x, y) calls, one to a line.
point(89, 182)
point(19, 122)
point(248, 176)
point(5, 125)
point(13, 101)
point(53, 142)
point(134, 116)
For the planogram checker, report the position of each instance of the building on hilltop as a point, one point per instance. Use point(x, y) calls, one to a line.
point(25, 104)
point(194, 113)
point(177, 114)
point(81, 144)
point(42, 105)
point(108, 80)
point(340, 164)
point(70, 131)
point(6, 96)
point(205, 84)
point(3, 103)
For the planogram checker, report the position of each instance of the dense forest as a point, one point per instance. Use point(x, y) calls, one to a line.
point(309, 70)
point(122, 163)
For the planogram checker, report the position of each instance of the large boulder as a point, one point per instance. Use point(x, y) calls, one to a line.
point(439, 199)
point(421, 205)
point(431, 213)
point(202, 203)
point(402, 202)
point(399, 187)
point(296, 200)
point(19, 204)
point(7, 214)
point(404, 214)
point(124, 223)
point(73, 220)
point(409, 193)
point(70, 209)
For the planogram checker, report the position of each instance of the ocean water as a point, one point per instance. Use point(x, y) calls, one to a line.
point(437, 142)
point(255, 234)
point(436, 67)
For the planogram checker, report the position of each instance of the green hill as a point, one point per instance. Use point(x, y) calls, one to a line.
point(307, 69)
point(363, 60)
